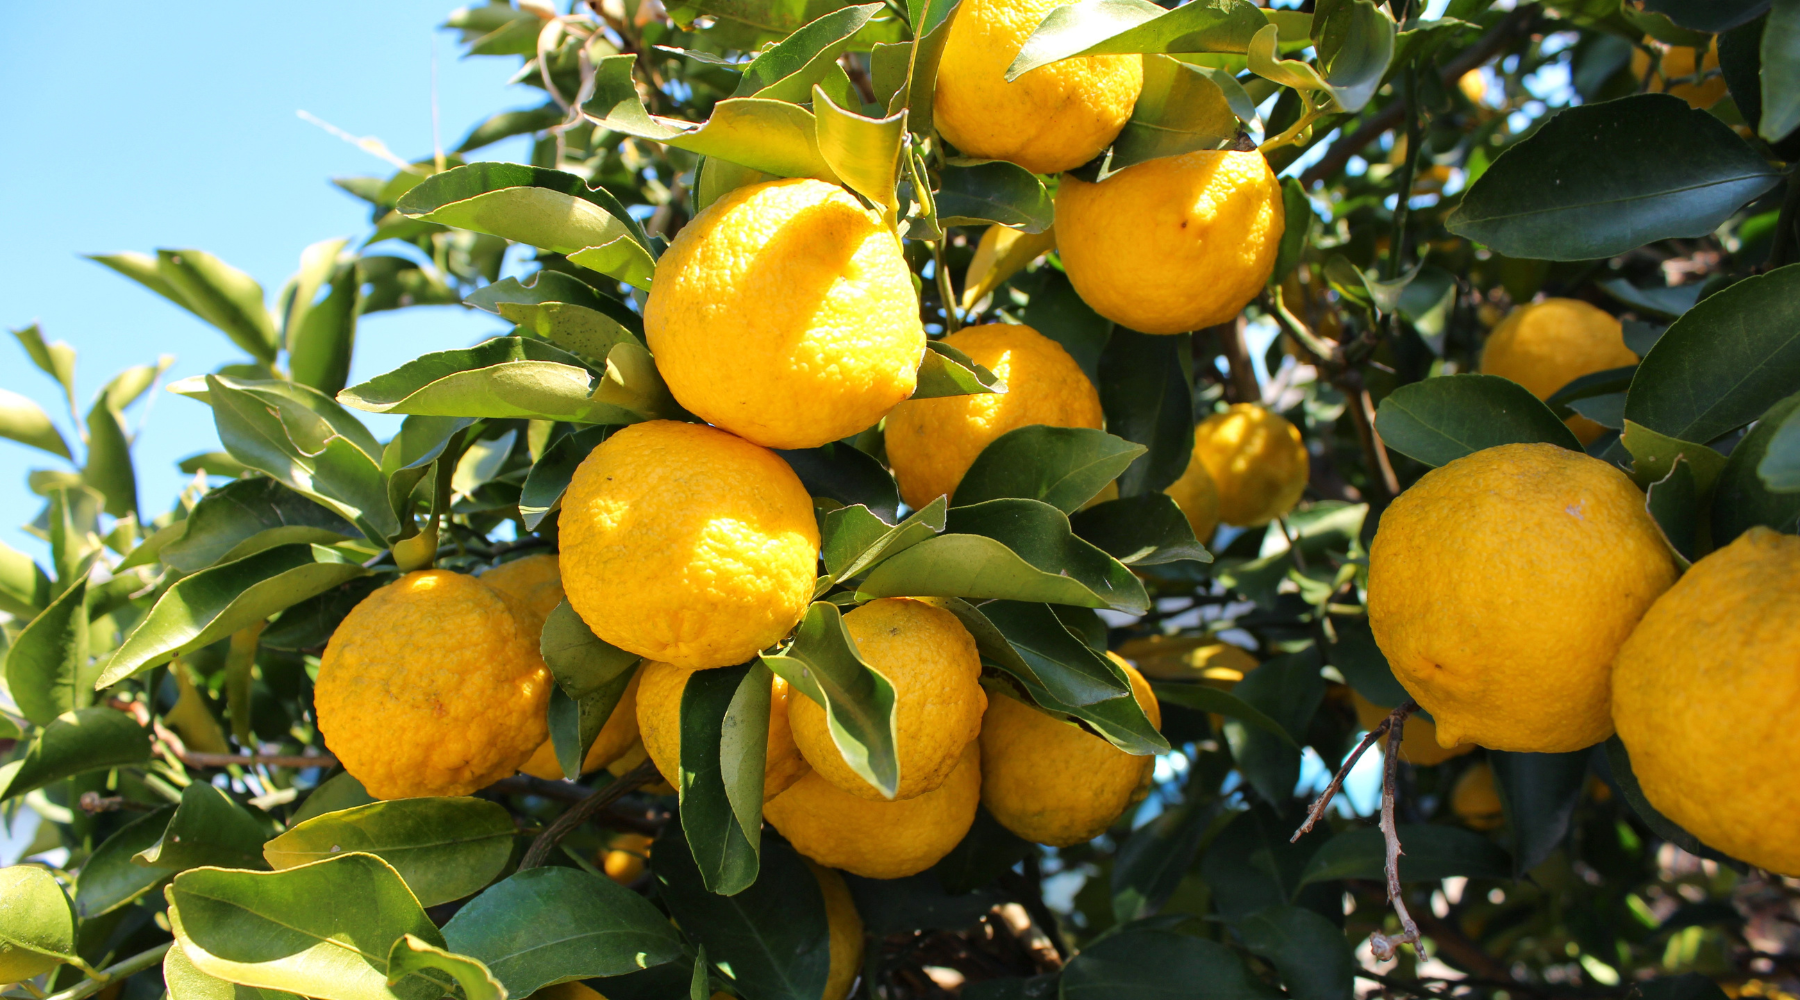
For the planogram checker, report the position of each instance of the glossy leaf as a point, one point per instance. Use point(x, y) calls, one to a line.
point(1593, 181)
point(1746, 494)
point(576, 722)
point(340, 792)
point(550, 209)
point(223, 296)
point(110, 877)
point(47, 669)
point(515, 377)
point(930, 22)
point(551, 925)
point(946, 371)
point(550, 475)
point(24, 586)
point(1061, 466)
point(1780, 71)
point(1118, 26)
point(1181, 109)
point(854, 539)
point(26, 422)
point(213, 603)
point(444, 848)
point(864, 152)
point(1063, 674)
point(993, 191)
point(848, 476)
point(1443, 419)
point(209, 827)
point(37, 926)
point(788, 70)
point(1307, 950)
point(413, 955)
point(1707, 15)
point(822, 664)
point(1145, 392)
point(1666, 302)
point(580, 661)
point(1152, 964)
point(724, 748)
point(1654, 456)
point(1430, 853)
point(185, 982)
point(267, 929)
point(248, 516)
point(1145, 530)
point(1355, 41)
point(87, 739)
point(1539, 791)
point(1724, 362)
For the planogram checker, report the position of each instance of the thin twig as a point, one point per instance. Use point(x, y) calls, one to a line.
point(1317, 812)
point(1380, 944)
point(129, 967)
point(94, 802)
point(580, 812)
point(191, 758)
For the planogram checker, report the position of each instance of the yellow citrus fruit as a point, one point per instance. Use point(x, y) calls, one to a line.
point(1198, 497)
point(535, 580)
point(1711, 671)
point(1475, 799)
point(1546, 345)
point(1257, 462)
point(785, 313)
point(845, 933)
point(931, 661)
point(568, 991)
point(1054, 782)
point(1501, 585)
point(684, 544)
point(623, 859)
point(876, 838)
point(1418, 741)
point(1675, 72)
point(932, 442)
point(1193, 658)
point(618, 735)
point(628, 762)
point(431, 686)
point(1173, 244)
point(659, 723)
point(1052, 119)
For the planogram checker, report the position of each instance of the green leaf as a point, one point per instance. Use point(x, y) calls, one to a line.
point(822, 663)
point(322, 337)
point(1289, 690)
point(788, 70)
point(1745, 494)
point(855, 539)
point(1360, 660)
point(1780, 71)
point(110, 877)
point(415, 955)
point(1146, 395)
point(1724, 362)
point(201, 609)
point(1654, 456)
point(864, 152)
point(57, 359)
point(550, 475)
point(1153, 860)
point(1146, 530)
point(1203, 698)
point(1687, 986)
point(37, 926)
point(724, 748)
point(1666, 302)
point(248, 516)
point(223, 296)
point(580, 661)
point(587, 333)
point(25, 588)
point(946, 371)
point(1307, 950)
point(847, 475)
point(267, 929)
point(108, 468)
point(576, 722)
point(87, 739)
point(1122, 26)
point(1149, 964)
point(47, 668)
point(1355, 44)
point(1057, 312)
point(1674, 503)
point(26, 422)
point(209, 828)
point(1429, 853)
point(516, 377)
point(930, 21)
point(1182, 108)
point(1539, 792)
point(772, 935)
point(1594, 181)
point(1442, 419)
point(507, 124)
point(185, 982)
point(551, 925)
point(549, 209)
point(308, 625)
point(340, 792)
point(993, 191)
point(1018, 550)
point(1061, 466)
point(1066, 676)
point(547, 287)
point(444, 848)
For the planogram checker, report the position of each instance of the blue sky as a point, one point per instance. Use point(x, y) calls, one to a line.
point(176, 127)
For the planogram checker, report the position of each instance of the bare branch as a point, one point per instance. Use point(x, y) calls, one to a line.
point(580, 812)
point(1383, 946)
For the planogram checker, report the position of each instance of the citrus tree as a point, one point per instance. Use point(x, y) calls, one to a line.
point(867, 558)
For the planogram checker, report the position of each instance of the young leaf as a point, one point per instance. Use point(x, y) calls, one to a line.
point(267, 929)
point(209, 828)
point(444, 848)
point(245, 517)
point(1061, 466)
point(1146, 530)
point(37, 926)
point(1442, 419)
point(1432, 853)
point(47, 668)
point(26, 422)
point(87, 739)
point(1591, 183)
point(550, 925)
point(1145, 392)
point(213, 603)
point(946, 371)
point(822, 663)
point(724, 746)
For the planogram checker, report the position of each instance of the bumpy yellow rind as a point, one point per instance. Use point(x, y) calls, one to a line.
point(879, 839)
point(1257, 462)
point(659, 723)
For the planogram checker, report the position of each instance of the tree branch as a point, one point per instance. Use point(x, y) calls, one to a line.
point(581, 811)
point(1383, 946)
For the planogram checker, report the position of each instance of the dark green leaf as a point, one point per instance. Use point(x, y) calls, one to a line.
point(1360, 660)
point(444, 848)
point(309, 624)
point(854, 539)
point(580, 661)
point(1308, 951)
point(576, 722)
point(550, 475)
point(507, 124)
point(1145, 530)
point(724, 747)
point(1144, 389)
point(1723, 362)
point(1674, 502)
point(1665, 302)
point(1744, 494)
point(1065, 675)
point(1153, 861)
point(1710, 16)
point(47, 668)
point(209, 828)
point(1442, 419)
point(1203, 698)
point(823, 664)
point(787, 70)
point(993, 191)
point(1780, 466)
point(1157, 964)
point(1429, 853)
point(1539, 791)
point(847, 475)
point(110, 878)
point(1687, 986)
point(1061, 466)
point(1288, 689)
point(321, 341)
point(1780, 71)
point(1593, 181)
point(1618, 762)
point(946, 371)
point(245, 517)
point(1181, 109)
point(87, 739)
point(1057, 312)
point(1654, 456)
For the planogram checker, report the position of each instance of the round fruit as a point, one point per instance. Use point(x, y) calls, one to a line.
point(618, 735)
point(684, 544)
point(785, 314)
point(659, 722)
point(845, 933)
point(1675, 72)
point(1198, 497)
point(535, 580)
point(1711, 671)
point(1501, 585)
point(931, 661)
point(875, 838)
point(1418, 740)
point(1257, 462)
point(1546, 345)
point(432, 685)
point(1475, 799)
point(1054, 782)
point(623, 860)
point(1172, 244)
point(1054, 118)
point(932, 442)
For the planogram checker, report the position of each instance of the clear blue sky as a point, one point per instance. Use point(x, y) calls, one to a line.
point(175, 126)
